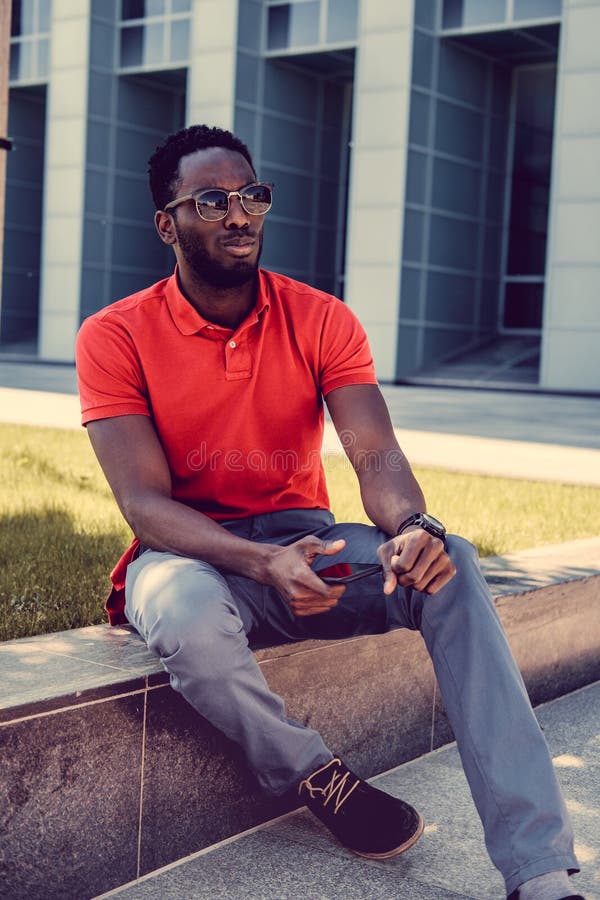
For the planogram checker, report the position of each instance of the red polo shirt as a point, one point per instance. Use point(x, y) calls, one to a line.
point(239, 412)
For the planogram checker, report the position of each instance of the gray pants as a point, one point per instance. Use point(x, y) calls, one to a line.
point(200, 622)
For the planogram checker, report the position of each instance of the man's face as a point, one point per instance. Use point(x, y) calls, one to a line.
point(223, 253)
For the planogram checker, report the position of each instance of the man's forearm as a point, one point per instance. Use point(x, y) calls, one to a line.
point(165, 524)
point(390, 492)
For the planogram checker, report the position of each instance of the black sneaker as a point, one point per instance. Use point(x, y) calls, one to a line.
point(515, 896)
point(362, 818)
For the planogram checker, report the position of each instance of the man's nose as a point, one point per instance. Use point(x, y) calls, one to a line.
point(236, 217)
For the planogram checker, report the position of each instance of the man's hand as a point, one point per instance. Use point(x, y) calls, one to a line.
point(417, 560)
point(289, 572)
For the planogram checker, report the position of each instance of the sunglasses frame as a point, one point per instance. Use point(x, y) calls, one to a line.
point(195, 196)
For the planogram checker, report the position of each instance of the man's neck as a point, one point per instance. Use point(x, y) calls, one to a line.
point(227, 307)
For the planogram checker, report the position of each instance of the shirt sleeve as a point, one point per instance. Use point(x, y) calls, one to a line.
point(345, 356)
point(109, 373)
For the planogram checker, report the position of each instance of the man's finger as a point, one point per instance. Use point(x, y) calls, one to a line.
point(311, 607)
point(439, 581)
point(328, 548)
point(426, 564)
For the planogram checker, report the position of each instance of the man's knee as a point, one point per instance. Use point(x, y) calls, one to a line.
point(183, 606)
point(462, 552)
point(468, 588)
point(202, 631)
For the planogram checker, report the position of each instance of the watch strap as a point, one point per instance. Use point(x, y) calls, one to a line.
point(408, 522)
point(426, 522)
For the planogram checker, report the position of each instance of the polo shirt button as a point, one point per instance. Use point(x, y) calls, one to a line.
point(232, 344)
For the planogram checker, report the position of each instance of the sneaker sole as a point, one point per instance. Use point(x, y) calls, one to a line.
point(397, 850)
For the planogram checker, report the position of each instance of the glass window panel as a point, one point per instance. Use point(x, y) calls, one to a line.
point(289, 143)
point(249, 26)
point(532, 158)
point(15, 61)
point(410, 291)
point(459, 131)
point(132, 194)
point(453, 242)
point(43, 58)
point(450, 298)
point(132, 41)
point(246, 78)
point(483, 12)
point(413, 235)
point(279, 17)
point(536, 9)
point(523, 305)
point(456, 187)
point(154, 43)
point(155, 7)
point(15, 22)
point(304, 24)
point(408, 352)
point(498, 141)
point(245, 127)
point(44, 16)
point(488, 310)
point(492, 246)
point(179, 6)
point(461, 74)
point(501, 90)
point(132, 9)
point(425, 13)
point(342, 16)
point(422, 61)
point(291, 191)
point(180, 39)
point(439, 342)
point(415, 177)
point(419, 118)
point(452, 16)
point(27, 61)
point(289, 247)
point(495, 197)
point(28, 23)
point(284, 87)
point(328, 204)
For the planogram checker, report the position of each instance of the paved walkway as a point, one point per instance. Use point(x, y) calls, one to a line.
point(539, 436)
point(295, 856)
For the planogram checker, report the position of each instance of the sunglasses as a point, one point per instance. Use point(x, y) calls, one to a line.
point(212, 204)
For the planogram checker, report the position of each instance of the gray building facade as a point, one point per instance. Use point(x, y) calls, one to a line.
point(436, 165)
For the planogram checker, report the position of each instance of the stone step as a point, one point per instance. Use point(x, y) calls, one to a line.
point(108, 775)
point(295, 856)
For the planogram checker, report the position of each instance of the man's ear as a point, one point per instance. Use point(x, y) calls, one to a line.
point(165, 226)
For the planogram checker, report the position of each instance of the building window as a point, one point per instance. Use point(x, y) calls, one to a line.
point(311, 23)
point(29, 41)
point(154, 33)
point(466, 14)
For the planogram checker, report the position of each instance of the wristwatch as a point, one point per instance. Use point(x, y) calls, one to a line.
point(426, 522)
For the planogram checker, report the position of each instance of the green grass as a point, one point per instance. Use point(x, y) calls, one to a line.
point(61, 532)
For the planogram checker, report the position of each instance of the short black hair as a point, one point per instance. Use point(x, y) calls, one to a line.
point(163, 165)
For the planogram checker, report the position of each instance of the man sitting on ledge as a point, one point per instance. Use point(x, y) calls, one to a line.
point(203, 399)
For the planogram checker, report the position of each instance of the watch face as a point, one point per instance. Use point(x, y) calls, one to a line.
point(435, 523)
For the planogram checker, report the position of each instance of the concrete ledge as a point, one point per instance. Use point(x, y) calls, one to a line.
point(107, 774)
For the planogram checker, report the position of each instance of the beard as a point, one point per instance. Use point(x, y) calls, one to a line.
point(208, 269)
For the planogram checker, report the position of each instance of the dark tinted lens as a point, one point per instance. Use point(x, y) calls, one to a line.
point(212, 205)
point(256, 199)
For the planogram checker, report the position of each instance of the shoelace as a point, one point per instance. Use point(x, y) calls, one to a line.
point(333, 789)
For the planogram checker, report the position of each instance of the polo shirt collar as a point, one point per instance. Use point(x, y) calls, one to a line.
point(189, 321)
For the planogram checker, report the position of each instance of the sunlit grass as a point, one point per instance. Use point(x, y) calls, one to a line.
point(499, 515)
point(61, 532)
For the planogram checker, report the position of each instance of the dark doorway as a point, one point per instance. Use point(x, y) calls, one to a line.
point(528, 189)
